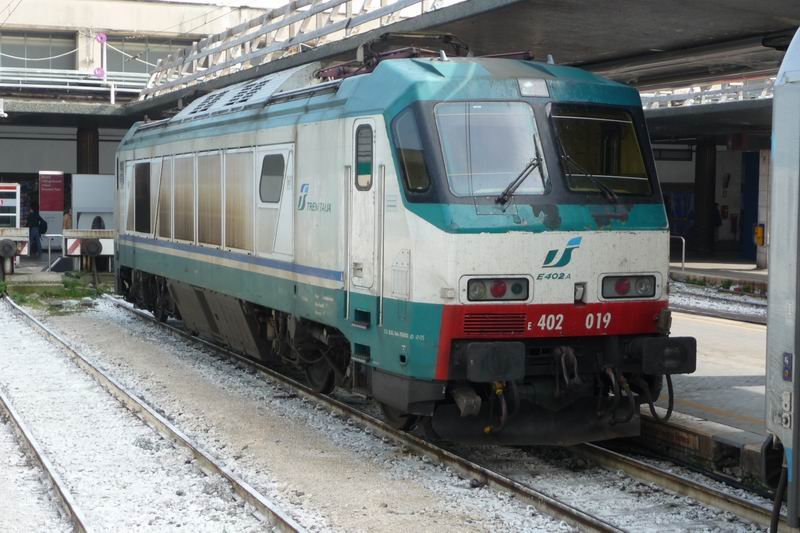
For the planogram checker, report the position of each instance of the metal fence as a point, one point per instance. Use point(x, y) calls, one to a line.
point(26, 79)
point(712, 93)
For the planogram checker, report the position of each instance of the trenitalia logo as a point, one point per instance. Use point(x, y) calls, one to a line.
point(554, 261)
point(301, 201)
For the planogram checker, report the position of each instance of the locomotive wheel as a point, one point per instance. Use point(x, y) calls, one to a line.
point(320, 377)
point(398, 419)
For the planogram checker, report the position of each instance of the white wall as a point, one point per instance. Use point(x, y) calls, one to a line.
point(31, 149)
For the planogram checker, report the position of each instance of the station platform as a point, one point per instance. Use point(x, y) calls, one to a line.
point(719, 409)
point(721, 272)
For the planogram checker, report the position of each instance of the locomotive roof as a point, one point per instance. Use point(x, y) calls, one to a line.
point(294, 95)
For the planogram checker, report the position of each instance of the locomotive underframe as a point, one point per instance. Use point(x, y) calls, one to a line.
point(555, 391)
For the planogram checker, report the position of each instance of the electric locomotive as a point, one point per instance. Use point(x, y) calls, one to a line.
point(479, 244)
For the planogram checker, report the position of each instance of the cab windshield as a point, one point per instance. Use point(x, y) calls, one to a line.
point(486, 145)
point(600, 150)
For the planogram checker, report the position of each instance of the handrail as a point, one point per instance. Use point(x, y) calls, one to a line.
point(683, 250)
point(281, 32)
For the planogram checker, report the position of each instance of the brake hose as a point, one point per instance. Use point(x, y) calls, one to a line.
point(776, 504)
point(670, 401)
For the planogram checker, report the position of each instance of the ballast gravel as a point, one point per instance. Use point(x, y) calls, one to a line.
point(26, 503)
point(121, 473)
point(328, 474)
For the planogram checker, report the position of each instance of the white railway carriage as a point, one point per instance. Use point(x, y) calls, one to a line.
point(479, 244)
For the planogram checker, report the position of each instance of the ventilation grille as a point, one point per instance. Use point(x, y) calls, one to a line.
point(494, 324)
point(208, 102)
point(246, 92)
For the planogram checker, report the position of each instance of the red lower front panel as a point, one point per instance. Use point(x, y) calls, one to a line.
point(515, 322)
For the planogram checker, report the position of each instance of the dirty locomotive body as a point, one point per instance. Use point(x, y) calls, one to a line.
point(480, 245)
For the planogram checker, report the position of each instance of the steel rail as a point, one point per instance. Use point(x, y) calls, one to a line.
point(270, 512)
point(685, 487)
point(603, 457)
point(34, 452)
point(466, 468)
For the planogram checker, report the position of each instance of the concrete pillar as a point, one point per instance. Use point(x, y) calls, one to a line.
point(88, 150)
point(705, 172)
point(762, 252)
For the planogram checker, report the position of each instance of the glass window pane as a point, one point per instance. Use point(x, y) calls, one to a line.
point(364, 144)
point(142, 202)
point(239, 200)
point(164, 222)
point(271, 183)
point(412, 154)
point(600, 142)
point(486, 145)
point(209, 199)
point(184, 198)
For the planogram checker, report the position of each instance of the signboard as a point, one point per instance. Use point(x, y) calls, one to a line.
point(51, 205)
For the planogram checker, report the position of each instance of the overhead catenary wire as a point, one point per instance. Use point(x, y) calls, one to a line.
point(11, 12)
point(135, 58)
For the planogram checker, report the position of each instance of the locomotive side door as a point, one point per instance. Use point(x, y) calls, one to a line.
point(363, 220)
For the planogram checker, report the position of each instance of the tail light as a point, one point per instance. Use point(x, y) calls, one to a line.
point(492, 289)
point(629, 287)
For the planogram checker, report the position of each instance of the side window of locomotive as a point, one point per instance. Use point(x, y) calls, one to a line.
point(209, 199)
point(364, 156)
point(142, 198)
point(184, 198)
point(411, 152)
point(273, 167)
point(164, 219)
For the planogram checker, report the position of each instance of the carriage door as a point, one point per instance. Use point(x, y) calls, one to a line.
point(362, 194)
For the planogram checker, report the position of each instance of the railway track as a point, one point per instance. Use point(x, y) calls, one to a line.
point(33, 451)
point(541, 501)
point(269, 512)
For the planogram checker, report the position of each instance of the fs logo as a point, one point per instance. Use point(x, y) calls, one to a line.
point(553, 261)
point(301, 201)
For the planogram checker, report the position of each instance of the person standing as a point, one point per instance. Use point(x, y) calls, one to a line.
point(36, 226)
point(67, 219)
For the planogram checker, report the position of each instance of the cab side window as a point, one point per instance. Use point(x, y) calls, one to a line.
point(270, 186)
point(364, 157)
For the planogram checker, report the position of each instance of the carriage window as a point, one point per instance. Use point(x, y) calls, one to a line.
point(142, 198)
point(184, 198)
point(271, 183)
point(364, 158)
point(412, 153)
point(209, 199)
point(599, 146)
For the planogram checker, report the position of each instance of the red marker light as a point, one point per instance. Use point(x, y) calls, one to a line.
point(498, 288)
point(622, 286)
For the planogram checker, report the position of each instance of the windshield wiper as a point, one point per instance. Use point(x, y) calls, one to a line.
point(504, 197)
point(610, 195)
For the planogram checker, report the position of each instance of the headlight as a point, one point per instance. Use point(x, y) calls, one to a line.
point(629, 287)
point(505, 289)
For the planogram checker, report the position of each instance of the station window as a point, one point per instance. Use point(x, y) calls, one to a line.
point(209, 199)
point(412, 153)
point(141, 54)
point(364, 147)
point(239, 200)
point(164, 222)
point(270, 185)
point(38, 50)
point(184, 198)
point(142, 201)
